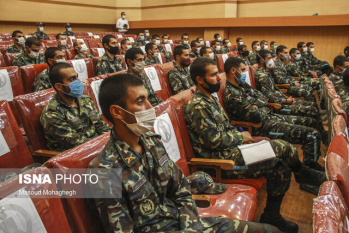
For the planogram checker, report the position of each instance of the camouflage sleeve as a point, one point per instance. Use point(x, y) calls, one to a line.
point(260, 99)
point(306, 67)
point(147, 61)
point(267, 91)
point(168, 57)
point(192, 55)
point(42, 82)
point(101, 68)
point(152, 97)
point(279, 77)
point(253, 59)
point(17, 62)
point(100, 125)
point(42, 59)
point(175, 82)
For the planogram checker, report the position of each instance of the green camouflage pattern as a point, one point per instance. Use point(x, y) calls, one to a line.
point(202, 183)
point(226, 50)
point(303, 63)
point(185, 45)
point(41, 35)
point(147, 38)
point(279, 73)
point(167, 56)
point(179, 79)
point(193, 54)
point(273, 53)
point(216, 52)
point(42, 81)
point(314, 63)
point(246, 60)
point(252, 57)
point(66, 127)
point(13, 49)
point(79, 56)
point(338, 83)
point(68, 33)
point(139, 43)
point(152, 61)
point(294, 71)
point(107, 65)
point(156, 196)
point(22, 60)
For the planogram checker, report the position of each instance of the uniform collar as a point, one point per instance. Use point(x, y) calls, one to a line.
point(61, 101)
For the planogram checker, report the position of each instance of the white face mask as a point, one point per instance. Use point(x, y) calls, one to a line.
point(41, 29)
point(83, 48)
point(212, 56)
point(229, 44)
point(165, 40)
point(145, 121)
point(258, 48)
point(305, 49)
point(61, 61)
point(20, 40)
point(128, 47)
point(241, 43)
point(219, 38)
point(312, 50)
point(218, 47)
point(33, 55)
point(266, 47)
point(139, 67)
point(124, 16)
point(157, 42)
point(147, 34)
point(185, 42)
point(63, 42)
point(198, 50)
point(270, 64)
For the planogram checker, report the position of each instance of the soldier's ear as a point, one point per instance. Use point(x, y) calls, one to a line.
point(115, 112)
point(198, 79)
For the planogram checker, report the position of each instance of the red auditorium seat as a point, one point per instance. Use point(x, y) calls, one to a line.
point(29, 74)
point(2, 61)
point(49, 43)
point(50, 210)
point(70, 53)
point(330, 211)
point(88, 89)
point(29, 108)
point(6, 43)
point(94, 51)
point(134, 36)
point(163, 93)
point(237, 202)
point(89, 66)
point(337, 109)
point(9, 58)
point(3, 49)
point(220, 58)
point(338, 146)
point(172, 49)
point(165, 69)
point(233, 47)
point(94, 43)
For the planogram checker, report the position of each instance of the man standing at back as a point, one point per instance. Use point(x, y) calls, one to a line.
point(122, 23)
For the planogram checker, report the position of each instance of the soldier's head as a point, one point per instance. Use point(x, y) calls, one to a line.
point(164, 38)
point(61, 39)
point(204, 73)
point(346, 51)
point(206, 52)
point(195, 46)
point(134, 59)
point(119, 107)
point(146, 32)
point(264, 45)
point(340, 63)
point(110, 45)
point(282, 52)
point(54, 55)
point(310, 47)
point(40, 27)
point(239, 41)
point(18, 37)
point(80, 46)
point(185, 38)
point(125, 44)
point(181, 55)
point(256, 46)
point(302, 47)
point(346, 78)
point(140, 36)
point(295, 54)
point(216, 45)
point(226, 43)
point(32, 46)
point(65, 81)
point(68, 27)
point(242, 49)
point(200, 40)
point(155, 39)
point(273, 45)
point(150, 49)
point(217, 36)
point(264, 59)
point(235, 70)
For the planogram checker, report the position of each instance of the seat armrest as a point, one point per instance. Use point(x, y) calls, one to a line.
point(246, 124)
point(297, 78)
point(273, 106)
point(202, 201)
point(283, 91)
point(224, 164)
point(283, 85)
point(46, 153)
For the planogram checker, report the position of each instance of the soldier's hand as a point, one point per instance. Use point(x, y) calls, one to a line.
point(247, 137)
point(314, 79)
point(296, 83)
point(255, 106)
point(314, 74)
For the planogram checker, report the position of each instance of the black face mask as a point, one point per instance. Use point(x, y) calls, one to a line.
point(245, 53)
point(113, 50)
point(212, 88)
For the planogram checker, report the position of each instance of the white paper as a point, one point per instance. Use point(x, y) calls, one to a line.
point(257, 152)
point(81, 68)
point(27, 36)
point(71, 39)
point(171, 41)
point(4, 149)
point(248, 79)
point(153, 77)
point(5, 86)
point(20, 212)
point(119, 36)
point(160, 58)
point(208, 43)
point(80, 40)
point(96, 36)
point(131, 39)
point(224, 57)
point(90, 34)
point(146, 42)
point(163, 126)
point(168, 48)
point(142, 48)
point(95, 85)
point(101, 51)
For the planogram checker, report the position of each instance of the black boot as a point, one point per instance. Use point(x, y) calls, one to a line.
point(309, 188)
point(273, 217)
point(306, 175)
point(315, 166)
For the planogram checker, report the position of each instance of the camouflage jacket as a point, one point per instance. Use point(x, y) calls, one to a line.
point(107, 65)
point(314, 63)
point(79, 56)
point(42, 81)
point(68, 33)
point(303, 63)
point(185, 45)
point(22, 60)
point(138, 43)
point(279, 73)
point(245, 59)
point(239, 101)
point(156, 196)
point(179, 79)
point(338, 83)
point(217, 52)
point(66, 127)
point(153, 61)
point(266, 85)
point(252, 57)
point(147, 38)
point(273, 52)
point(193, 54)
point(13, 49)
point(152, 97)
point(167, 56)
point(226, 50)
point(211, 134)
point(41, 35)
point(294, 70)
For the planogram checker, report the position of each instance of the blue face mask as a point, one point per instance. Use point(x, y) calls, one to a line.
point(298, 57)
point(242, 78)
point(76, 88)
point(142, 38)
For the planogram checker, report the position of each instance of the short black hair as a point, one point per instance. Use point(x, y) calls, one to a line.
point(232, 62)
point(214, 42)
point(193, 43)
point(50, 53)
point(148, 47)
point(185, 34)
point(106, 39)
point(131, 54)
point(198, 67)
point(163, 36)
point(346, 50)
point(203, 50)
point(216, 35)
point(262, 54)
point(139, 32)
point(15, 32)
point(280, 48)
point(178, 50)
point(339, 60)
point(254, 42)
point(224, 41)
point(241, 47)
point(293, 51)
point(263, 41)
point(32, 41)
point(154, 36)
point(300, 45)
point(58, 35)
point(237, 39)
point(108, 96)
point(271, 43)
point(199, 38)
point(309, 43)
point(346, 77)
point(55, 75)
point(123, 13)
point(124, 41)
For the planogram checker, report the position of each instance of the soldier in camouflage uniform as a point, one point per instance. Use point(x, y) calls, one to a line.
point(70, 118)
point(18, 42)
point(81, 50)
point(179, 76)
point(147, 35)
point(109, 62)
point(216, 47)
point(246, 104)
point(152, 51)
point(238, 42)
point(303, 63)
point(62, 41)
point(226, 46)
point(156, 40)
point(213, 137)
point(243, 54)
point(294, 71)
point(195, 49)
point(125, 45)
point(68, 30)
point(264, 45)
point(134, 59)
point(185, 40)
point(53, 55)
point(40, 34)
point(252, 57)
point(273, 47)
point(156, 196)
point(207, 52)
point(340, 64)
point(31, 55)
point(140, 40)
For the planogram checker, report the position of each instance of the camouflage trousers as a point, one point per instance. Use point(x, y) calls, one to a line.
point(315, 85)
point(302, 91)
point(296, 130)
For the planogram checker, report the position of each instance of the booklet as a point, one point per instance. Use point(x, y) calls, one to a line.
point(257, 152)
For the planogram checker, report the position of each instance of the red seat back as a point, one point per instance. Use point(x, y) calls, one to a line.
point(3, 48)
point(29, 74)
point(9, 58)
point(70, 53)
point(49, 43)
point(94, 51)
point(163, 93)
point(94, 43)
point(29, 108)
point(337, 108)
point(165, 68)
point(339, 146)
point(122, 57)
point(221, 90)
point(339, 126)
point(89, 66)
point(88, 89)
point(2, 61)
point(6, 43)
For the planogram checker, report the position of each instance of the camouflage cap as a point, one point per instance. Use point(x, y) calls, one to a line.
point(40, 24)
point(67, 25)
point(202, 183)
